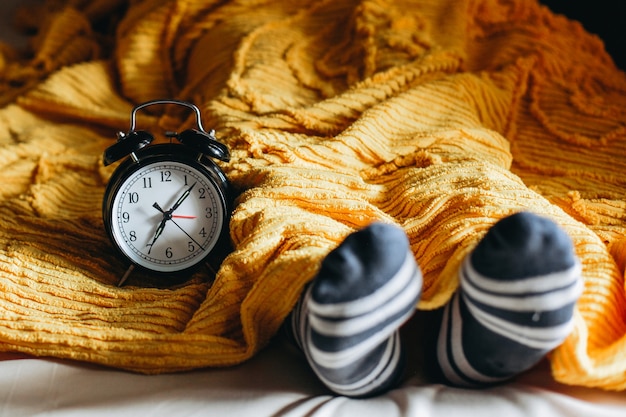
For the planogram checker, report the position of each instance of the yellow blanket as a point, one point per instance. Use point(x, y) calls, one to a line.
point(439, 115)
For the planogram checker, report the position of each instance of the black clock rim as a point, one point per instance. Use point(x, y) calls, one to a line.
point(169, 153)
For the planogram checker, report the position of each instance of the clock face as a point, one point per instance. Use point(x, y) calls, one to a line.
point(167, 216)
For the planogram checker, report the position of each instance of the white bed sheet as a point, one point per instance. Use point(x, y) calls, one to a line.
point(275, 383)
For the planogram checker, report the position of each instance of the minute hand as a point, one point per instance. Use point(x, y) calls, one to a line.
point(182, 198)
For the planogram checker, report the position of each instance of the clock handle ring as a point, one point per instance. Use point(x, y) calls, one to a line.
point(193, 107)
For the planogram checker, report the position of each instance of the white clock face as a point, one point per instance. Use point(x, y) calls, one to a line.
point(167, 216)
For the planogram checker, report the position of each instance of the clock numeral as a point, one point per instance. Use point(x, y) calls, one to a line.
point(169, 253)
point(126, 217)
point(133, 198)
point(202, 193)
point(132, 236)
point(166, 176)
point(147, 182)
point(191, 247)
point(208, 212)
point(202, 232)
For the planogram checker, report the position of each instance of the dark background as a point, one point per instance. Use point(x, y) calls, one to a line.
point(605, 18)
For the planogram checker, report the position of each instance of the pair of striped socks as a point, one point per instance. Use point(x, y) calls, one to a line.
point(515, 303)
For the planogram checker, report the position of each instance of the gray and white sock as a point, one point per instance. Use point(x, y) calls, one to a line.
point(347, 321)
point(515, 303)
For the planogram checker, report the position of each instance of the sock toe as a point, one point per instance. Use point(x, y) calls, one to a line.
point(523, 245)
point(362, 264)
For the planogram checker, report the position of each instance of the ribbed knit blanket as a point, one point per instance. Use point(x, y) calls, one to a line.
point(442, 116)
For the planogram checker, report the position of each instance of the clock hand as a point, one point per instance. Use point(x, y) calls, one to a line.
point(158, 232)
point(188, 235)
point(182, 198)
point(167, 215)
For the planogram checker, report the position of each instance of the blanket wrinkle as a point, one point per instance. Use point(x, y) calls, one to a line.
point(439, 116)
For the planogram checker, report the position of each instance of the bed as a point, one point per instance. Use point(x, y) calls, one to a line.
point(275, 383)
point(73, 343)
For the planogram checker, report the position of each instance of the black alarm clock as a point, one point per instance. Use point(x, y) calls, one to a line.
point(167, 206)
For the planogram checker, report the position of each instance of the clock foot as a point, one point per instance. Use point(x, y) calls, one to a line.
point(126, 275)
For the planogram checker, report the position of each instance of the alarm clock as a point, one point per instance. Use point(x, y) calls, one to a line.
point(167, 206)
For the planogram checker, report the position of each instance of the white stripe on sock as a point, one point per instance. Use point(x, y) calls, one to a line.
point(442, 350)
point(542, 283)
point(351, 326)
point(385, 368)
point(347, 356)
point(373, 301)
point(553, 300)
point(388, 363)
point(458, 355)
point(302, 324)
point(544, 338)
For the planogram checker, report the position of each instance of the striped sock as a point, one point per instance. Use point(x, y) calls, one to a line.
point(347, 321)
point(515, 302)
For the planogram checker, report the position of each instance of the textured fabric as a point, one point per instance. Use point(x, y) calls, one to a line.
point(439, 116)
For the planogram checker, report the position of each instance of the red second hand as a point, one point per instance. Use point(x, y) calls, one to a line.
point(182, 216)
